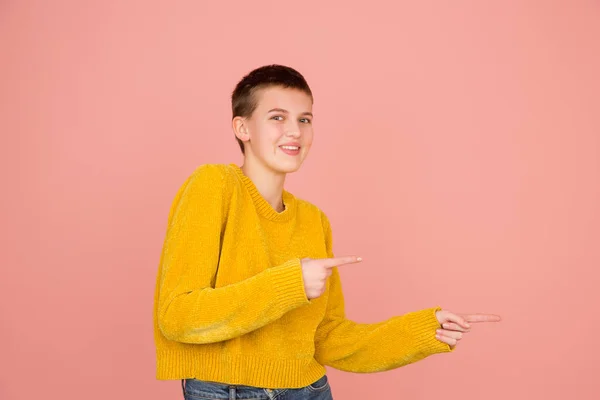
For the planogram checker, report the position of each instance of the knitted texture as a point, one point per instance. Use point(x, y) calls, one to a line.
point(230, 304)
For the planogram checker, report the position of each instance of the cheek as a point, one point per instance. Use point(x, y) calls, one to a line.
point(308, 137)
point(273, 133)
point(266, 135)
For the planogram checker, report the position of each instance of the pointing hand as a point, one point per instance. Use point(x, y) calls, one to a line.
point(453, 326)
point(315, 272)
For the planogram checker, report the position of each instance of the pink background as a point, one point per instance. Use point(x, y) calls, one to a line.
point(457, 150)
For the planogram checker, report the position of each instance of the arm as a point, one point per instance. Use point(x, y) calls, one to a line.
point(354, 347)
point(190, 309)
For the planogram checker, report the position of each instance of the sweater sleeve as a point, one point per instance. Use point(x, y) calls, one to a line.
point(190, 309)
point(355, 347)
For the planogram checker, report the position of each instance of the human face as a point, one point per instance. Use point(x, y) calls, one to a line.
point(280, 130)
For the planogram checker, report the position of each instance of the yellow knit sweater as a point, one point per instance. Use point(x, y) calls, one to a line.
point(230, 304)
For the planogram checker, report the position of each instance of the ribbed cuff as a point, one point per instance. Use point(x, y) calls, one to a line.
point(423, 326)
point(288, 284)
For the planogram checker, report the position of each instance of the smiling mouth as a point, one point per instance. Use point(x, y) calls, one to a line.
point(290, 150)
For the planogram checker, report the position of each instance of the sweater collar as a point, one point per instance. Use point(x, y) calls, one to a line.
point(262, 206)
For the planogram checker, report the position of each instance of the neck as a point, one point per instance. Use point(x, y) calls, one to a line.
point(269, 183)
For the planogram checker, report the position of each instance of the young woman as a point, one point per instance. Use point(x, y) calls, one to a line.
point(249, 301)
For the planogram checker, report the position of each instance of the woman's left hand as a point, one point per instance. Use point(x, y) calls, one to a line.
point(454, 326)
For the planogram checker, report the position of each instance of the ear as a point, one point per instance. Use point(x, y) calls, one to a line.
point(240, 128)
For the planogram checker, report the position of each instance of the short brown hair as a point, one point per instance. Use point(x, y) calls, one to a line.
point(243, 101)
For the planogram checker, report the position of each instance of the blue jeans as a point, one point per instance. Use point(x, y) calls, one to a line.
point(194, 389)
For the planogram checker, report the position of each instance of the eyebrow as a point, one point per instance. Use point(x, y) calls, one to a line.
point(287, 112)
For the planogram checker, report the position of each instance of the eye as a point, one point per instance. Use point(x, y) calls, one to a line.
point(306, 121)
point(277, 116)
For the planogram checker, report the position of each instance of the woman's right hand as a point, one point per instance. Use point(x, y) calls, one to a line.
point(315, 272)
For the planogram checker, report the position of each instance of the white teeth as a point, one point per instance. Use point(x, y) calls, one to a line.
point(290, 147)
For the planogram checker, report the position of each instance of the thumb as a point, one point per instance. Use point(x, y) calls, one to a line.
point(458, 319)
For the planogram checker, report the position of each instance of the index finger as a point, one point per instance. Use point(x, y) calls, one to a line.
point(481, 317)
point(337, 261)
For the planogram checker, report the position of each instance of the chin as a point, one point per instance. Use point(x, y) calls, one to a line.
point(287, 168)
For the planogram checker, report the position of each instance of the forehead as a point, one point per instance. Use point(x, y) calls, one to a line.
point(293, 100)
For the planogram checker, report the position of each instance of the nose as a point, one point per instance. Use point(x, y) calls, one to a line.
point(293, 129)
